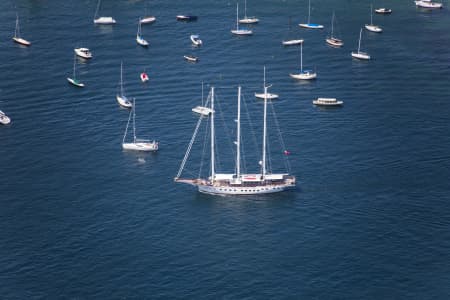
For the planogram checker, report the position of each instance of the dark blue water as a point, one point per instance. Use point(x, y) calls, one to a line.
point(81, 219)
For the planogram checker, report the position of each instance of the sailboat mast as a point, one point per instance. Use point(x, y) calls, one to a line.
point(121, 78)
point(96, 11)
point(301, 57)
point(359, 42)
point(263, 173)
point(17, 31)
point(134, 121)
point(237, 16)
point(238, 138)
point(309, 10)
point(332, 23)
point(74, 65)
point(213, 171)
point(264, 77)
point(371, 14)
point(245, 9)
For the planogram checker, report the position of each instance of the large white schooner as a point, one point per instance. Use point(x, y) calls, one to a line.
point(236, 183)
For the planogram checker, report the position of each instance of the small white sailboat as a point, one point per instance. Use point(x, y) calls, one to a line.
point(137, 144)
point(304, 74)
point(83, 52)
point(240, 31)
point(328, 102)
point(237, 183)
point(203, 109)
point(268, 96)
point(359, 54)
point(4, 119)
point(332, 40)
point(248, 20)
point(195, 39)
point(121, 98)
point(428, 4)
point(371, 26)
point(139, 39)
point(309, 24)
point(289, 41)
point(16, 38)
point(74, 79)
point(102, 20)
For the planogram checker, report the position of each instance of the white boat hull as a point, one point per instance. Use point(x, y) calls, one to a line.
point(141, 41)
point(190, 58)
point(373, 28)
point(147, 20)
point(249, 20)
point(328, 102)
point(105, 21)
point(383, 11)
point(266, 189)
point(75, 82)
point(304, 76)
point(334, 42)
point(361, 55)
point(4, 119)
point(141, 146)
point(269, 96)
point(123, 101)
point(292, 42)
point(242, 32)
point(21, 41)
point(83, 52)
point(202, 110)
point(311, 26)
point(428, 4)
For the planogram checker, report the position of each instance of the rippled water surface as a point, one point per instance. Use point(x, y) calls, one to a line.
point(81, 219)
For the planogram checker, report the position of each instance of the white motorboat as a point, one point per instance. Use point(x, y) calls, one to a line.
point(292, 42)
point(16, 38)
point(246, 19)
point(120, 97)
point(268, 96)
point(304, 74)
point(74, 79)
point(187, 18)
point(359, 54)
point(428, 4)
point(309, 24)
point(236, 183)
point(139, 39)
point(195, 39)
point(240, 31)
point(327, 102)
point(190, 58)
point(203, 109)
point(383, 10)
point(83, 52)
point(4, 119)
point(371, 26)
point(137, 144)
point(331, 40)
point(102, 20)
point(147, 20)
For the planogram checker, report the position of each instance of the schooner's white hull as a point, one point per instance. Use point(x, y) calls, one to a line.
point(256, 190)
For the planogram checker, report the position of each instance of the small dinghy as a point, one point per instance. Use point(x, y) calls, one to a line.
point(186, 18)
point(195, 39)
point(383, 10)
point(4, 119)
point(191, 58)
point(144, 77)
